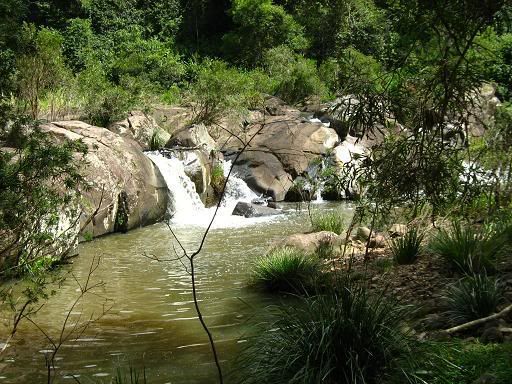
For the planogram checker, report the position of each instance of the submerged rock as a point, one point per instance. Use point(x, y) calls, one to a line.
point(253, 210)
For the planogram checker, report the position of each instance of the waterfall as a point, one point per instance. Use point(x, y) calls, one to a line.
point(185, 205)
point(184, 199)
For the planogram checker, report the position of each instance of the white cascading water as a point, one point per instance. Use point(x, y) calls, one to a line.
point(186, 206)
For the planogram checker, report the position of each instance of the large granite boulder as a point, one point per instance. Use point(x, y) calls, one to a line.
point(195, 136)
point(142, 128)
point(125, 189)
point(281, 149)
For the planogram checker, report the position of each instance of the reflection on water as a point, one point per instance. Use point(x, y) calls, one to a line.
point(152, 322)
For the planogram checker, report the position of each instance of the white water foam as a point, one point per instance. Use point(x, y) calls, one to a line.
point(185, 205)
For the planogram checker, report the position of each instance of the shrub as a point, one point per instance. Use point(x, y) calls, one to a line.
point(471, 298)
point(331, 221)
point(286, 270)
point(406, 249)
point(467, 249)
point(345, 336)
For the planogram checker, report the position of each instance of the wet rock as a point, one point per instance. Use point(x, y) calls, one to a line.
point(253, 210)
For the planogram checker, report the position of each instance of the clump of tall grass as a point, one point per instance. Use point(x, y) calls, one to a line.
point(286, 270)
point(469, 250)
point(406, 249)
point(328, 221)
point(133, 377)
point(344, 336)
point(471, 298)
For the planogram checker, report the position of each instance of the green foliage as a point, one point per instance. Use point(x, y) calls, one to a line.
point(41, 67)
point(296, 77)
point(218, 179)
point(261, 25)
point(78, 44)
point(103, 102)
point(407, 248)
point(145, 58)
point(331, 221)
point(343, 336)
point(473, 297)
point(286, 270)
point(217, 92)
point(468, 249)
point(38, 179)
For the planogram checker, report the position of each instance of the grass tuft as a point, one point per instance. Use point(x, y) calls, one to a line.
point(286, 270)
point(471, 298)
point(328, 221)
point(406, 249)
point(344, 336)
point(469, 250)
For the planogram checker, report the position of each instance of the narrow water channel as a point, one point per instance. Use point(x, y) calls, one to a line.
point(152, 322)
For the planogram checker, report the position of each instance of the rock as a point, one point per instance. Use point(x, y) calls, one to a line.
point(141, 128)
point(397, 230)
point(311, 242)
point(378, 241)
point(253, 210)
point(491, 334)
point(129, 187)
point(486, 378)
point(195, 136)
point(279, 153)
point(274, 106)
point(363, 233)
point(433, 321)
point(349, 151)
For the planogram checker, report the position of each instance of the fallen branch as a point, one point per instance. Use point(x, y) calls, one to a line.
point(474, 323)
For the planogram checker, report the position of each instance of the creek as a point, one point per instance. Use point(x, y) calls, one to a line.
point(151, 321)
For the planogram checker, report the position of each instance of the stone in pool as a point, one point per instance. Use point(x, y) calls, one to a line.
point(253, 210)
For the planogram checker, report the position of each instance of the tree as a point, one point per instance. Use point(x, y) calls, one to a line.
point(40, 66)
point(261, 25)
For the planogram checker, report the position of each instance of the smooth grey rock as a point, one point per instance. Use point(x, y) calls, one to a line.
point(253, 210)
